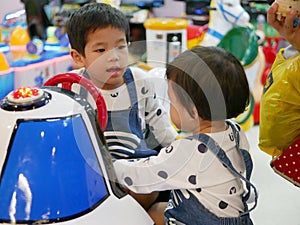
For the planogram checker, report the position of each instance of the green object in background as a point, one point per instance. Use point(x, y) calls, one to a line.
point(258, 22)
point(241, 41)
point(270, 31)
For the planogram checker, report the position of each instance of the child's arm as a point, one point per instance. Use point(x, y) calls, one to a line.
point(170, 169)
point(157, 116)
point(160, 123)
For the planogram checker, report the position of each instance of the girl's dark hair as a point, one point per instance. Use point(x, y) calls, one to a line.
point(91, 17)
point(212, 79)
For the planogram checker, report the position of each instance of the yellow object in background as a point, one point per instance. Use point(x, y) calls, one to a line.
point(18, 41)
point(248, 123)
point(6, 76)
point(166, 24)
point(195, 35)
point(3, 63)
point(246, 119)
point(113, 3)
point(19, 37)
point(51, 36)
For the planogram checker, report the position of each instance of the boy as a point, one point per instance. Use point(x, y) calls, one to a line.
point(99, 36)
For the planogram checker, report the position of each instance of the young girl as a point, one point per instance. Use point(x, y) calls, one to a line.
point(206, 86)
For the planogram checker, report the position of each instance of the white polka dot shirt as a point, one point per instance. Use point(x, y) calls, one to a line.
point(188, 165)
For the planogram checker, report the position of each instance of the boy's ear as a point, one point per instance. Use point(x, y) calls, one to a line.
point(77, 57)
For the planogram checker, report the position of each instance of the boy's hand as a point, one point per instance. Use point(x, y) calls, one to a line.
point(287, 26)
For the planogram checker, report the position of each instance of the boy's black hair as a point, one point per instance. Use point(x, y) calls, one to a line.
point(212, 79)
point(89, 18)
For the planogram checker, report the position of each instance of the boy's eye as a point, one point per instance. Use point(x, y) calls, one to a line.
point(122, 47)
point(100, 50)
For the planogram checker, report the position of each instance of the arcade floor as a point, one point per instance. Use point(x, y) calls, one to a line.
point(279, 200)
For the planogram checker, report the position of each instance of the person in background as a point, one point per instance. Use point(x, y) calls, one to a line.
point(207, 86)
point(99, 37)
point(280, 102)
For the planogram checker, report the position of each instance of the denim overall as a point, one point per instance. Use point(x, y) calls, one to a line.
point(124, 122)
point(192, 212)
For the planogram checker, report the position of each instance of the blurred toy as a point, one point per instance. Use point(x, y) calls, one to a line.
point(19, 37)
point(34, 49)
point(246, 119)
point(32, 69)
point(10, 21)
point(14, 19)
point(223, 16)
point(287, 5)
point(5, 49)
point(242, 41)
point(38, 64)
point(195, 35)
point(57, 49)
point(53, 34)
point(55, 165)
point(57, 39)
point(6, 76)
point(18, 41)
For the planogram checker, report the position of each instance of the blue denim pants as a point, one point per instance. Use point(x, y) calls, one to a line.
point(192, 212)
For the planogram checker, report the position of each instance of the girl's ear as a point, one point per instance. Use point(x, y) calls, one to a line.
point(77, 57)
point(195, 112)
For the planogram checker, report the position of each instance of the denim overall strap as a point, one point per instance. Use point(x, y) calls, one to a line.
point(246, 156)
point(83, 91)
point(134, 104)
point(131, 87)
point(219, 152)
point(128, 77)
point(124, 133)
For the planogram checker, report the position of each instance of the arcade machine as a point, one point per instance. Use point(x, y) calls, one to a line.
point(55, 165)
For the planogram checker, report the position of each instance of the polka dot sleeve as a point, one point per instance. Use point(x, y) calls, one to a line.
point(156, 115)
point(175, 167)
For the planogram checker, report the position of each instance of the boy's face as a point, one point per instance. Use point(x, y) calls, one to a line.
point(106, 57)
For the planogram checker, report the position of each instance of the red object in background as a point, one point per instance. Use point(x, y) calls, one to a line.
point(195, 31)
point(195, 34)
point(256, 112)
point(287, 164)
point(270, 48)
